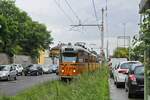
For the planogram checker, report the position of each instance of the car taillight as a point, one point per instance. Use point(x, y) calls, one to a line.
point(132, 77)
point(122, 71)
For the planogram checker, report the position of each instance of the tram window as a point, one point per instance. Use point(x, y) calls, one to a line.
point(86, 60)
point(69, 57)
point(80, 60)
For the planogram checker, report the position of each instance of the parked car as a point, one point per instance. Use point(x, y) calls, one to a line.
point(112, 63)
point(54, 68)
point(134, 82)
point(8, 72)
point(46, 69)
point(33, 69)
point(120, 71)
point(19, 68)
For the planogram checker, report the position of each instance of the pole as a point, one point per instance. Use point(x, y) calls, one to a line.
point(107, 49)
point(129, 49)
point(124, 31)
point(102, 30)
point(102, 38)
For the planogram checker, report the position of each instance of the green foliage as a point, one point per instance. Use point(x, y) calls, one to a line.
point(93, 86)
point(19, 34)
point(145, 28)
point(121, 52)
point(137, 52)
point(141, 44)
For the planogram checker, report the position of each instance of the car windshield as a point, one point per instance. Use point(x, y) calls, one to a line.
point(4, 68)
point(139, 70)
point(127, 65)
point(133, 67)
point(34, 66)
point(69, 57)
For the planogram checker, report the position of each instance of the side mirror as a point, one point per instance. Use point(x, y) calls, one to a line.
point(11, 69)
point(127, 73)
point(116, 68)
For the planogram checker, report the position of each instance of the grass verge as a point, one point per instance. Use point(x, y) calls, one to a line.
point(93, 86)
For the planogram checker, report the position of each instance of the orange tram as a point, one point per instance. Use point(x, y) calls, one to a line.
point(75, 60)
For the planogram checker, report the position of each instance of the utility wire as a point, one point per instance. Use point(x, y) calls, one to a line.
point(73, 11)
point(94, 7)
point(106, 14)
point(59, 6)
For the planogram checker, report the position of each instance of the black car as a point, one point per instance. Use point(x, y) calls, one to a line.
point(33, 69)
point(134, 82)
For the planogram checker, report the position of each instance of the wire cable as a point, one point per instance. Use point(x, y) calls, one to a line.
point(69, 18)
point(96, 17)
point(94, 7)
point(73, 11)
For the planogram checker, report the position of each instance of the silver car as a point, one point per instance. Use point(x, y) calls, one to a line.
point(47, 69)
point(8, 72)
point(54, 68)
point(19, 68)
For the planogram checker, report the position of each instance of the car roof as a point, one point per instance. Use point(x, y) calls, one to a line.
point(6, 65)
point(130, 62)
point(137, 65)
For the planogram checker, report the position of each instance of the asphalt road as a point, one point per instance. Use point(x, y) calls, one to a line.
point(10, 88)
point(119, 93)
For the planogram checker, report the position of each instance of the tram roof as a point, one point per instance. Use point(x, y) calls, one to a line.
point(77, 48)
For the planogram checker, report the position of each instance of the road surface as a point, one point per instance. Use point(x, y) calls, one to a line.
point(119, 93)
point(10, 88)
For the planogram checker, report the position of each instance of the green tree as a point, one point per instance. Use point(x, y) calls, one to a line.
point(141, 44)
point(19, 34)
point(145, 28)
point(121, 52)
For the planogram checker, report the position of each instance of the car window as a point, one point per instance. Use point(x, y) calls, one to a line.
point(4, 68)
point(139, 70)
point(117, 66)
point(13, 68)
point(127, 65)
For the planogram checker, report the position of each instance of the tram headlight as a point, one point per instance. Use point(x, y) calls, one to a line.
point(62, 71)
point(74, 70)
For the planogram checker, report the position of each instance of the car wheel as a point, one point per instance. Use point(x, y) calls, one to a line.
point(117, 84)
point(114, 82)
point(15, 78)
point(37, 73)
point(126, 89)
point(8, 78)
point(21, 74)
point(42, 73)
point(25, 74)
point(130, 95)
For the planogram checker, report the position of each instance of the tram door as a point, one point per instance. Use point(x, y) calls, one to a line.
point(147, 74)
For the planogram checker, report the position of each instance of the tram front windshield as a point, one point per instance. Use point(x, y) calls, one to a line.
point(69, 57)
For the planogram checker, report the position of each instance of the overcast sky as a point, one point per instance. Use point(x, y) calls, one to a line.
point(119, 12)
